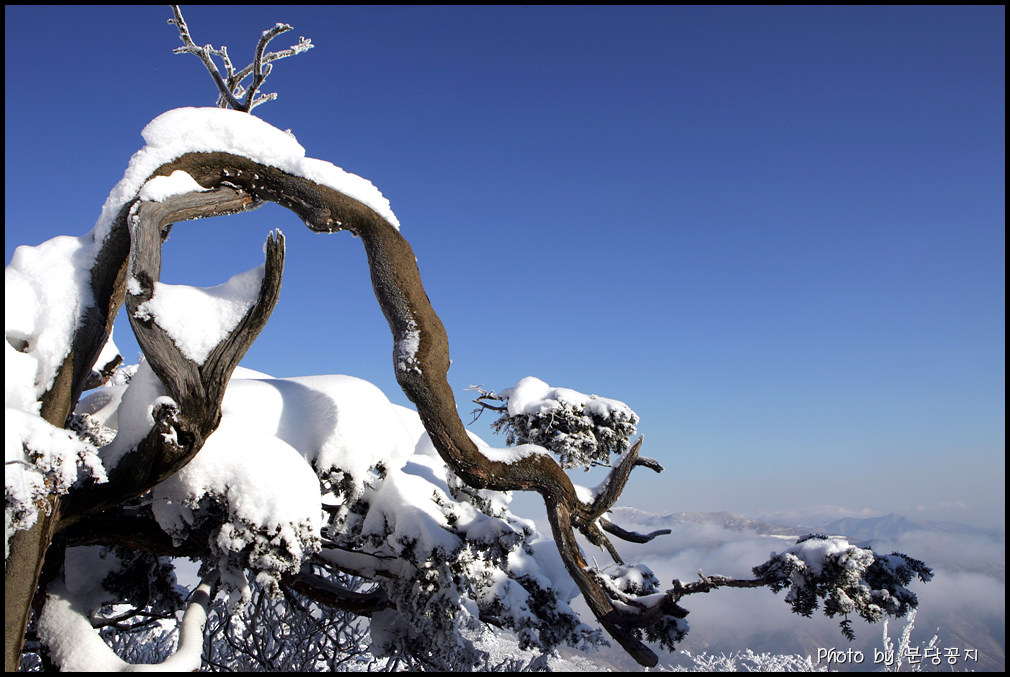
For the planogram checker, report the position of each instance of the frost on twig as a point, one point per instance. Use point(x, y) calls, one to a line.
point(233, 94)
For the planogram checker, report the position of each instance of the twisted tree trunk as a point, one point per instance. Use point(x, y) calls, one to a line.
point(420, 358)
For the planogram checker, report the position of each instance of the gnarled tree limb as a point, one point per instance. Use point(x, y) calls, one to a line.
point(108, 281)
point(196, 390)
point(397, 284)
point(330, 594)
point(630, 536)
point(421, 372)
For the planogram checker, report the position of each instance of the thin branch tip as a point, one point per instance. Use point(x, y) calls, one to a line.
point(231, 92)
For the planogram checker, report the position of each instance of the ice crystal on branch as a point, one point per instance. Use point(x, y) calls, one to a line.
point(230, 85)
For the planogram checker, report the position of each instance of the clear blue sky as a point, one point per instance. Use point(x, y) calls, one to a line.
point(777, 233)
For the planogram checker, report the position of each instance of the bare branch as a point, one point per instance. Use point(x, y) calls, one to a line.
point(101, 376)
point(230, 86)
point(205, 53)
point(650, 463)
point(133, 527)
point(630, 536)
point(611, 490)
point(616, 480)
point(260, 71)
point(593, 591)
point(330, 594)
point(483, 401)
point(707, 583)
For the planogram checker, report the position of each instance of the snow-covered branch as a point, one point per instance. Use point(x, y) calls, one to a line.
point(848, 579)
point(830, 570)
point(74, 645)
point(189, 411)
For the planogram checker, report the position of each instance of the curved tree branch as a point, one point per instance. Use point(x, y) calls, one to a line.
point(230, 89)
point(330, 594)
point(630, 536)
point(420, 358)
point(707, 583)
point(196, 390)
point(422, 371)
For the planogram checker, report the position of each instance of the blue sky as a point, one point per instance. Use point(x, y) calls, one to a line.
point(776, 233)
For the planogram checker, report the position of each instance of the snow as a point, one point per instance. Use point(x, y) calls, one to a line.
point(134, 415)
point(102, 404)
point(510, 455)
point(45, 289)
point(336, 422)
point(65, 626)
point(585, 494)
point(199, 318)
point(52, 447)
point(186, 130)
point(40, 459)
point(277, 439)
point(402, 505)
point(533, 396)
point(580, 430)
point(160, 188)
point(406, 349)
point(109, 352)
point(814, 552)
point(249, 374)
point(271, 495)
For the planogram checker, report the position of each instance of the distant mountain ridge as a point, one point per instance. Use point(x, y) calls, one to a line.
point(642, 519)
point(894, 525)
point(889, 526)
